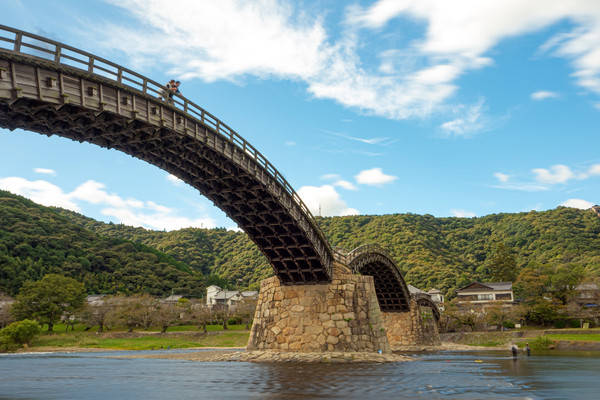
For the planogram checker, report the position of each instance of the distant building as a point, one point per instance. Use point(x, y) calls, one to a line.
point(437, 297)
point(218, 296)
point(414, 290)
point(587, 295)
point(485, 293)
point(172, 299)
point(596, 209)
point(95, 299)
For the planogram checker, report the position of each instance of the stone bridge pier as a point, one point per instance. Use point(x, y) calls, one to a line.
point(366, 307)
point(343, 315)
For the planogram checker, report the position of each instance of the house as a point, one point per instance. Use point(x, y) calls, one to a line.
point(437, 297)
point(172, 299)
point(587, 295)
point(485, 293)
point(413, 290)
point(95, 299)
point(218, 296)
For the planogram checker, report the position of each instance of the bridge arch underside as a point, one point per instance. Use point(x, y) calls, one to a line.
point(390, 288)
point(426, 302)
point(184, 147)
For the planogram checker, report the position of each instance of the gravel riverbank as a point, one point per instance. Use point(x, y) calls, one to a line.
point(274, 356)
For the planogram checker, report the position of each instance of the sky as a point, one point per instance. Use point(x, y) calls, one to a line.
point(449, 108)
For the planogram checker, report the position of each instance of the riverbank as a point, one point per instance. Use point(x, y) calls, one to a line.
point(566, 339)
point(277, 356)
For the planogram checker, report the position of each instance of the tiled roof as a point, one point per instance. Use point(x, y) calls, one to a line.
point(414, 290)
point(490, 285)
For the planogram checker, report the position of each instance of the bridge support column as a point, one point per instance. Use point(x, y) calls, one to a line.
point(341, 316)
point(409, 328)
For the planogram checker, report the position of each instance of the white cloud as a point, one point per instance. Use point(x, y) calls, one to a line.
point(502, 177)
point(93, 192)
point(345, 184)
point(325, 201)
point(273, 38)
point(556, 174)
point(328, 177)
point(376, 140)
point(469, 122)
point(42, 192)
point(522, 186)
point(174, 180)
point(594, 170)
point(462, 213)
point(290, 143)
point(156, 220)
point(543, 94)
point(577, 203)
point(374, 177)
point(45, 171)
point(147, 214)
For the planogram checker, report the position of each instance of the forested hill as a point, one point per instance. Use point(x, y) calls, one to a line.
point(432, 252)
point(446, 253)
point(36, 240)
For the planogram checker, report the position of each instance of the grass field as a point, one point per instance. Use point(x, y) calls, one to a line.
point(588, 337)
point(118, 339)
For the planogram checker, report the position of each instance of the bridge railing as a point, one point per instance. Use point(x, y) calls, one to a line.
point(17, 41)
point(367, 248)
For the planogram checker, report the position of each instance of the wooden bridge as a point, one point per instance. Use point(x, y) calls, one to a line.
point(55, 89)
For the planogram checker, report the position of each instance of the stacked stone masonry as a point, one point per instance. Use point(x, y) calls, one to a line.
point(341, 316)
point(408, 328)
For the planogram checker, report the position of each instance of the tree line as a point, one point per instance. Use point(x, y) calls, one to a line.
point(443, 253)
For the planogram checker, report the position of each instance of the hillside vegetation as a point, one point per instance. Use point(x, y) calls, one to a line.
point(36, 240)
point(446, 253)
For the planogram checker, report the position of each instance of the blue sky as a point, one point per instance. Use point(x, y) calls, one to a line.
point(461, 108)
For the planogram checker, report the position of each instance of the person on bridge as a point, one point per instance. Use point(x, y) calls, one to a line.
point(171, 89)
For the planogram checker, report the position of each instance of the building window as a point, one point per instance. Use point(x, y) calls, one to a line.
point(485, 297)
point(503, 296)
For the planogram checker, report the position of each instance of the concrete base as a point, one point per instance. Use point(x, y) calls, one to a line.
point(341, 316)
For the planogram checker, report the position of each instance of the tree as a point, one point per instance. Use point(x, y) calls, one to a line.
point(503, 266)
point(244, 310)
point(48, 299)
point(201, 315)
point(498, 313)
point(5, 314)
point(166, 314)
point(97, 313)
point(133, 312)
point(463, 316)
point(21, 332)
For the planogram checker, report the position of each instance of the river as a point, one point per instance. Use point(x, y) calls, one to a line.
point(444, 375)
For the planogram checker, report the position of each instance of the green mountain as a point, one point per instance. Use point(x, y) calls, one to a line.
point(36, 240)
point(446, 253)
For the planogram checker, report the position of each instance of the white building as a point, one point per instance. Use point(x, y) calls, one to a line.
point(215, 295)
point(437, 297)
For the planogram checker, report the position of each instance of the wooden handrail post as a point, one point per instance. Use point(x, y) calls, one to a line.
point(18, 39)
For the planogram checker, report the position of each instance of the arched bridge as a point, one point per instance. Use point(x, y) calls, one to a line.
point(390, 287)
point(425, 301)
point(55, 89)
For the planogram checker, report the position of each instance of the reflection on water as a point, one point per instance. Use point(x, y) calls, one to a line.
point(432, 376)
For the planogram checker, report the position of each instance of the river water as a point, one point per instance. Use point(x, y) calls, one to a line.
point(445, 375)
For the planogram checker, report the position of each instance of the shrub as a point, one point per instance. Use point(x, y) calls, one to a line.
point(21, 332)
point(508, 324)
